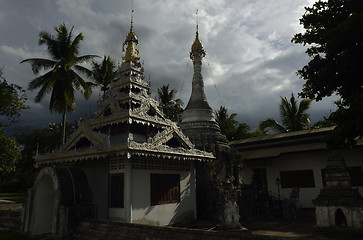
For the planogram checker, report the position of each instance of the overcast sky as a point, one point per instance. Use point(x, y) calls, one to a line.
point(250, 59)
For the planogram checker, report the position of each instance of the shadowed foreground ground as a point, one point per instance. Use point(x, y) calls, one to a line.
point(301, 227)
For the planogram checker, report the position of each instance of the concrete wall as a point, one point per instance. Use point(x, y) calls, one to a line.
point(164, 214)
point(315, 160)
point(97, 173)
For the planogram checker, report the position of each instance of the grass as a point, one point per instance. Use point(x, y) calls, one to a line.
point(16, 197)
point(9, 235)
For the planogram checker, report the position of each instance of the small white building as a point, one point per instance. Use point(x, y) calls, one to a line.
point(127, 163)
point(282, 162)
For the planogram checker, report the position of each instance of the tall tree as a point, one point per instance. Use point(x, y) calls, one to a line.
point(293, 116)
point(12, 99)
point(104, 73)
point(12, 102)
point(334, 33)
point(171, 107)
point(63, 79)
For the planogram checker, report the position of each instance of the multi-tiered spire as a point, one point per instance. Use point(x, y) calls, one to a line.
point(198, 99)
point(198, 121)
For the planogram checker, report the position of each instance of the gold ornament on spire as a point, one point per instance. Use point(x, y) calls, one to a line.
point(197, 47)
point(132, 54)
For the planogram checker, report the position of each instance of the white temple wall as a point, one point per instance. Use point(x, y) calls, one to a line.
point(97, 173)
point(165, 214)
point(314, 160)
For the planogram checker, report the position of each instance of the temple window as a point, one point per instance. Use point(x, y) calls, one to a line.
point(299, 178)
point(116, 191)
point(164, 188)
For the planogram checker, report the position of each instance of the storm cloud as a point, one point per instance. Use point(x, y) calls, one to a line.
point(250, 60)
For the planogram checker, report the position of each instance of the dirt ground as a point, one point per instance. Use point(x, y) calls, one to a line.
point(301, 227)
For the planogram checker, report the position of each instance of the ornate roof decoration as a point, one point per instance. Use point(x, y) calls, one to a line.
point(128, 122)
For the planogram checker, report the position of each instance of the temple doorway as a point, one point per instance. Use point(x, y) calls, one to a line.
point(260, 180)
point(43, 206)
point(340, 220)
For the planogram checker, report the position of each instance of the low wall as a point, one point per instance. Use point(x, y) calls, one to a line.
point(101, 230)
point(10, 217)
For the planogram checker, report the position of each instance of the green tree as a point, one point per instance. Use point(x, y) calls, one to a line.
point(9, 156)
point(63, 79)
point(12, 102)
point(12, 99)
point(334, 33)
point(171, 107)
point(231, 128)
point(293, 116)
point(40, 140)
point(104, 73)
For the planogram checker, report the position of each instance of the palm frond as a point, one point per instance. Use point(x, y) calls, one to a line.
point(86, 58)
point(45, 79)
point(51, 43)
point(304, 106)
point(74, 47)
point(45, 89)
point(82, 86)
point(273, 124)
point(39, 63)
point(293, 115)
point(83, 70)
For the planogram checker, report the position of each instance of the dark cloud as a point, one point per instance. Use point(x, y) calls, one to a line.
point(250, 61)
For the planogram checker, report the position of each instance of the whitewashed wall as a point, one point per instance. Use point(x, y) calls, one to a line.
point(164, 214)
point(315, 160)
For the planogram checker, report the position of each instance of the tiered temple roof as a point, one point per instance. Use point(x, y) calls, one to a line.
point(128, 122)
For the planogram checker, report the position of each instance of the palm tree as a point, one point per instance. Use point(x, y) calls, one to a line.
point(293, 116)
point(104, 73)
point(62, 80)
point(171, 107)
point(227, 124)
point(231, 128)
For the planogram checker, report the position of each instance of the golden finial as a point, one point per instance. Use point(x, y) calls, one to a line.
point(132, 54)
point(197, 47)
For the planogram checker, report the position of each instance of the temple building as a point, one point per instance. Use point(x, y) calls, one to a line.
point(127, 163)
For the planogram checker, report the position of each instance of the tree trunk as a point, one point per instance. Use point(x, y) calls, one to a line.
point(64, 129)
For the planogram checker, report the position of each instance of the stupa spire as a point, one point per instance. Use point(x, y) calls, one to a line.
point(198, 99)
point(131, 54)
point(198, 121)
